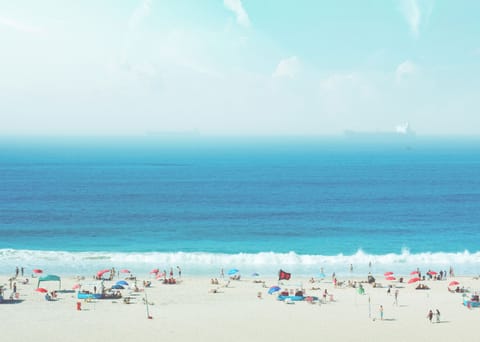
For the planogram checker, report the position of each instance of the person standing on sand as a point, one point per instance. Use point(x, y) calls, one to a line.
point(430, 316)
point(380, 310)
point(179, 271)
point(437, 315)
point(396, 297)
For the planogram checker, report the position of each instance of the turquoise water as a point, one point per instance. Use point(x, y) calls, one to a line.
point(71, 205)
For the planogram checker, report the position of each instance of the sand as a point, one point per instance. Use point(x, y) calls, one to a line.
point(189, 311)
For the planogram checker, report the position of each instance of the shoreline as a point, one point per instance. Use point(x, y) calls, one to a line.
point(191, 310)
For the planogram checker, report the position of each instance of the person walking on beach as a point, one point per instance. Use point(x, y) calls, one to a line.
point(351, 268)
point(380, 310)
point(437, 315)
point(396, 298)
point(22, 270)
point(430, 316)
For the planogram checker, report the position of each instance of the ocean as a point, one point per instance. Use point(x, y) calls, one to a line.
point(77, 205)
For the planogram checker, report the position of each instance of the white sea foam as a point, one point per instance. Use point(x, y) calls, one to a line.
point(267, 263)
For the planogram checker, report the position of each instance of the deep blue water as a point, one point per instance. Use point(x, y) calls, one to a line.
point(320, 197)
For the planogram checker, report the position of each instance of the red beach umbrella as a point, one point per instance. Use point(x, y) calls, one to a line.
point(414, 280)
point(155, 271)
point(454, 283)
point(413, 272)
point(125, 271)
point(41, 290)
point(391, 278)
point(102, 272)
point(432, 273)
point(386, 274)
point(75, 286)
point(37, 271)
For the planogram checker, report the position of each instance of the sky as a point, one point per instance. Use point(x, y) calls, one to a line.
point(239, 67)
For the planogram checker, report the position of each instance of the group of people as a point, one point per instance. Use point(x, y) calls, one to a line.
point(431, 314)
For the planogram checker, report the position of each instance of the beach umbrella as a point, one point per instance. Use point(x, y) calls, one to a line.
point(414, 280)
point(233, 271)
point(454, 283)
point(117, 287)
point(154, 271)
point(390, 278)
point(413, 272)
point(432, 273)
point(125, 271)
point(102, 272)
point(386, 274)
point(273, 289)
point(121, 283)
point(41, 290)
point(37, 271)
point(76, 286)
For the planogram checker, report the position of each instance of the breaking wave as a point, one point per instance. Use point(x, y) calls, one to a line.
point(266, 263)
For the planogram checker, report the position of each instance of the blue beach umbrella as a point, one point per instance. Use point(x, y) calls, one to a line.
point(233, 271)
point(121, 283)
point(117, 287)
point(273, 289)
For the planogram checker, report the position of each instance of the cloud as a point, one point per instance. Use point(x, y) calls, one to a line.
point(417, 13)
point(288, 67)
point(139, 14)
point(236, 7)
point(19, 26)
point(404, 70)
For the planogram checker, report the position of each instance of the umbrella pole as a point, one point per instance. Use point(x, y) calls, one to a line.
point(146, 304)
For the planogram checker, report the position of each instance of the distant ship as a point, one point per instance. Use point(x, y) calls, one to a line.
point(401, 132)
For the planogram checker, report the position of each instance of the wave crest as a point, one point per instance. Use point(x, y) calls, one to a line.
point(267, 263)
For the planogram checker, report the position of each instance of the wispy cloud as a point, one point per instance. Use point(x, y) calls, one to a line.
point(404, 70)
point(139, 14)
point(288, 67)
point(20, 26)
point(416, 13)
point(236, 7)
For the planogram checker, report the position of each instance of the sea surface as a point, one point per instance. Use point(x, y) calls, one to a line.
point(76, 205)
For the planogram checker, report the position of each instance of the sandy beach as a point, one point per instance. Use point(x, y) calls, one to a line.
point(192, 310)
